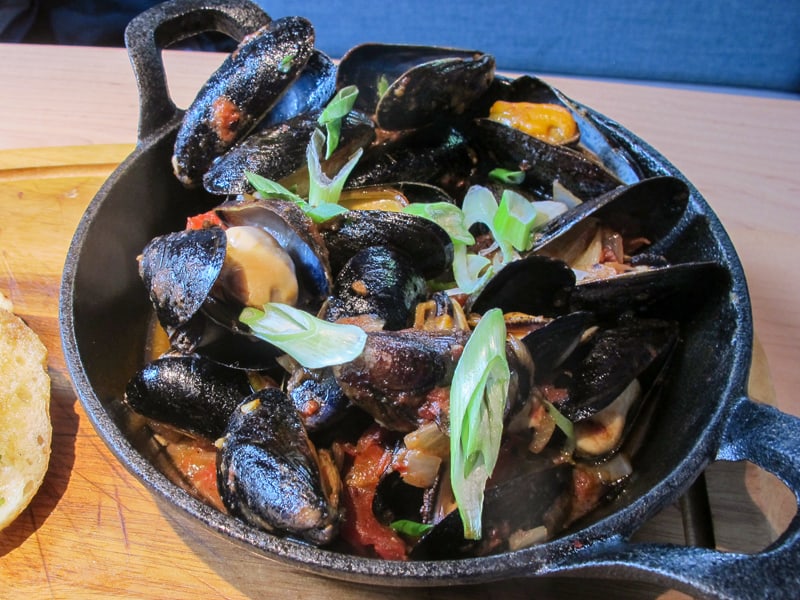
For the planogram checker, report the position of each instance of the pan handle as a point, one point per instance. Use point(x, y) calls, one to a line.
point(766, 437)
point(170, 22)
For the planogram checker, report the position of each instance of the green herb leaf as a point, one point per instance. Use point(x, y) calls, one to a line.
point(507, 176)
point(411, 528)
point(477, 401)
point(312, 342)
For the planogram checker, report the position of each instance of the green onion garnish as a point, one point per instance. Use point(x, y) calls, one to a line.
point(383, 86)
point(336, 110)
point(563, 423)
point(321, 188)
point(312, 342)
point(286, 63)
point(514, 220)
point(267, 188)
point(507, 176)
point(411, 528)
point(448, 216)
point(477, 401)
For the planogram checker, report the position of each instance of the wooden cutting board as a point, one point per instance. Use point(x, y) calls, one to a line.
point(94, 531)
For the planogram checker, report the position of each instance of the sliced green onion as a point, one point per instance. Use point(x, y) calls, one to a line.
point(514, 220)
point(336, 110)
point(286, 63)
point(382, 86)
point(480, 206)
point(448, 216)
point(471, 271)
point(312, 342)
point(507, 176)
point(563, 423)
point(411, 528)
point(477, 401)
point(321, 188)
point(267, 188)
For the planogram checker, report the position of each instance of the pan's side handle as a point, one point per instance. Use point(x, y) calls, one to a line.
point(170, 22)
point(766, 437)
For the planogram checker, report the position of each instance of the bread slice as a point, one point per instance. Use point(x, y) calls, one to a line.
point(25, 427)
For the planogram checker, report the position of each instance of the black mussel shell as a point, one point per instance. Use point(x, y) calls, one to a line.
point(518, 504)
point(191, 393)
point(274, 152)
point(318, 399)
point(670, 292)
point(438, 155)
point(411, 86)
point(179, 269)
point(279, 151)
point(543, 163)
point(268, 474)
point(614, 357)
point(310, 92)
point(550, 345)
point(239, 93)
point(534, 285)
point(377, 281)
point(649, 209)
point(392, 377)
point(427, 245)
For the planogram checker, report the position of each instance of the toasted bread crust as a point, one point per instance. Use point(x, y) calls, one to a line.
point(25, 426)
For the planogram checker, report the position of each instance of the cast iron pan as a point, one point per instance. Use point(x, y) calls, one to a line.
point(704, 416)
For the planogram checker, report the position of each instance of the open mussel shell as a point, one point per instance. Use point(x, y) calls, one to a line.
point(550, 345)
point(534, 285)
point(179, 270)
point(648, 209)
point(296, 234)
point(236, 96)
point(407, 86)
point(613, 358)
point(670, 292)
point(427, 245)
point(279, 151)
point(438, 155)
point(520, 504)
point(191, 393)
point(541, 162)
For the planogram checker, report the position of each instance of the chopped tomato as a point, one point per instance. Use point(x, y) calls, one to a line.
point(203, 220)
point(360, 528)
point(198, 463)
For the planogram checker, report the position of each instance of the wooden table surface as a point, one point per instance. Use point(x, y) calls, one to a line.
point(68, 115)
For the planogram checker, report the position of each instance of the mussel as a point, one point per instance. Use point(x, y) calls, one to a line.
point(269, 472)
point(236, 96)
